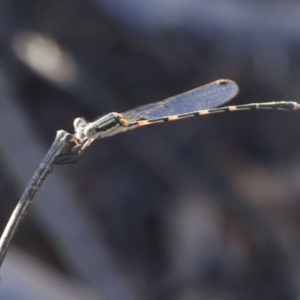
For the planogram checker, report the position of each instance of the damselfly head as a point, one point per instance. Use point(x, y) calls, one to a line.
point(79, 126)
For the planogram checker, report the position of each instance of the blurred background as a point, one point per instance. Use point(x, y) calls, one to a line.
point(203, 208)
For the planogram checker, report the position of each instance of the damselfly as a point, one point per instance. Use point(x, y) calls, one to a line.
point(197, 102)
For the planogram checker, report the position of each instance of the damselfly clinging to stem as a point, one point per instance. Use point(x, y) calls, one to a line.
point(197, 102)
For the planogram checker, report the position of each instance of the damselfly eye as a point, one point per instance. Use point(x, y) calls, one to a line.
point(79, 122)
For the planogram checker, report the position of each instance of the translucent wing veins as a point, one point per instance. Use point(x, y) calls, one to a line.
point(204, 97)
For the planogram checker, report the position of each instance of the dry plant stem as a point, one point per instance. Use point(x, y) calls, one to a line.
point(60, 144)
